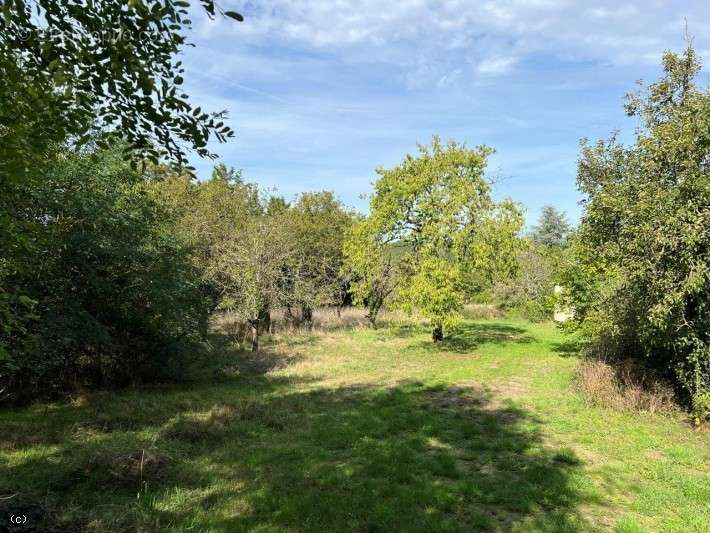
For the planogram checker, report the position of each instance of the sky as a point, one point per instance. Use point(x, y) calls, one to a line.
point(322, 92)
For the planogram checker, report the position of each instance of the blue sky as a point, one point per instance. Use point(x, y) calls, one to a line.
point(321, 92)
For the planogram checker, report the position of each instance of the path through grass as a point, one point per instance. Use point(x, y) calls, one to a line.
point(361, 430)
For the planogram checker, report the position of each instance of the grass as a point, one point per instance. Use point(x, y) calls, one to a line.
point(360, 430)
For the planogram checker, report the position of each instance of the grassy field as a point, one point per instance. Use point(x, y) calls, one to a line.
point(361, 430)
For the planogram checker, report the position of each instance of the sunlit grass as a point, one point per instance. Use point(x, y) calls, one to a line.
point(361, 430)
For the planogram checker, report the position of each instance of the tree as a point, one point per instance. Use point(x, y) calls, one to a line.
point(552, 229)
point(238, 240)
point(371, 269)
point(318, 224)
point(66, 64)
point(248, 268)
point(435, 210)
point(640, 279)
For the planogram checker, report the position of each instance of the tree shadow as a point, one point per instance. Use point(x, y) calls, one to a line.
point(468, 336)
point(268, 457)
point(227, 370)
point(568, 348)
point(235, 361)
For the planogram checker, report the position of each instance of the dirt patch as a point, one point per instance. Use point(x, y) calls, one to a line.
point(461, 395)
point(502, 391)
point(128, 469)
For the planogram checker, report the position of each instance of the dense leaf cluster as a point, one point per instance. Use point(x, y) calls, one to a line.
point(71, 65)
point(109, 291)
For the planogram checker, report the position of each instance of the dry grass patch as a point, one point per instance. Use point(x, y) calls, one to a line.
point(623, 386)
point(482, 312)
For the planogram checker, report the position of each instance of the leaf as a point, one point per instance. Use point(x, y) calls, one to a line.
point(26, 300)
point(234, 15)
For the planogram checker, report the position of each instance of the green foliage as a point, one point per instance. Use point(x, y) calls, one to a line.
point(113, 295)
point(528, 290)
point(318, 223)
point(639, 275)
point(434, 288)
point(260, 253)
point(75, 73)
point(371, 268)
point(436, 214)
point(701, 407)
point(249, 268)
point(66, 64)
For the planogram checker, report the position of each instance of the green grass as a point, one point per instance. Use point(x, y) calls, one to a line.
point(361, 430)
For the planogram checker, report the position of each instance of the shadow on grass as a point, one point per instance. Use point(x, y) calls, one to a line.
point(568, 348)
point(467, 337)
point(260, 454)
point(232, 360)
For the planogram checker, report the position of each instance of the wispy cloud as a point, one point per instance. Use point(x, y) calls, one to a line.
point(320, 92)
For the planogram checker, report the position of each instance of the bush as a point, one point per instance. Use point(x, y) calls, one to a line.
point(639, 271)
point(115, 296)
point(701, 407)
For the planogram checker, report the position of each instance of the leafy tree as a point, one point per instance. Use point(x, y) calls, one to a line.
point(640, 279)
point(370, 268)
point(318, 224)
point(66, 63)
point(435, 209)
point(552, 229)
point(248, 268)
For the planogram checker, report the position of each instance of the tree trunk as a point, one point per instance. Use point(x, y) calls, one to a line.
point(374, 305)
point(372, 319)
point(254, 335)
point(265, 320)
point(307, 315)
point(437, 334)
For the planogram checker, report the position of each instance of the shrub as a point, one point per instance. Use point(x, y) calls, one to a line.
point(701, 407)
point(113, 293)
point(639, 270)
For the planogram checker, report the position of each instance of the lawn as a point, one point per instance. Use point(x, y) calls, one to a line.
point(360, 430)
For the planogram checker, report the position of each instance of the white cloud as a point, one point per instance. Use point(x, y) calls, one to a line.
point(495, 66)
point(625, 31)
point(320, 92)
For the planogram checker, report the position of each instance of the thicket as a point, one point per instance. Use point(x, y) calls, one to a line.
point(109, 294)
point(94, 287)
point(638, 274)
